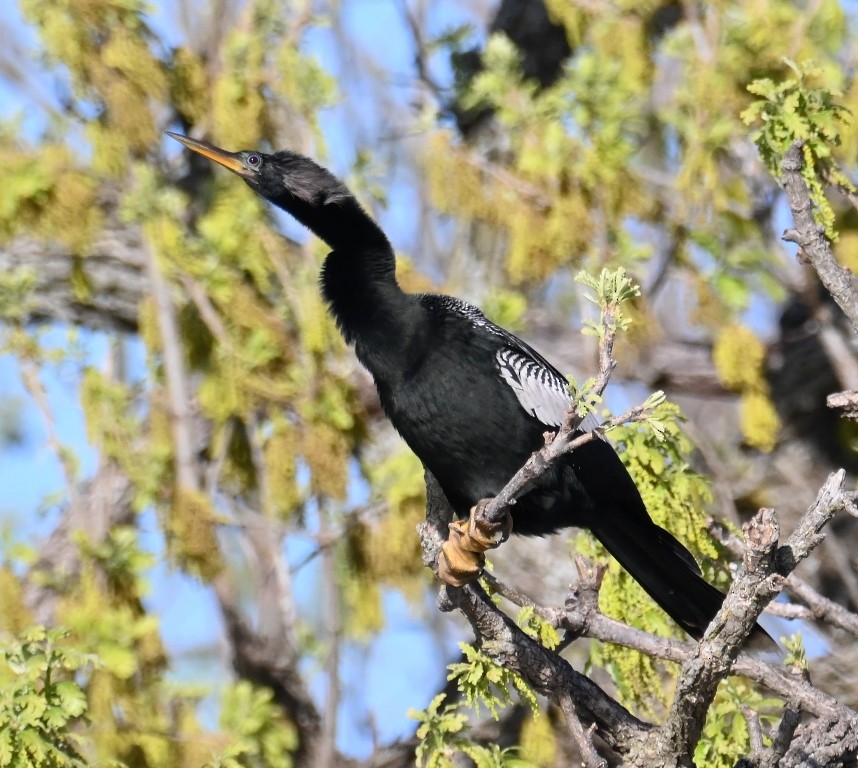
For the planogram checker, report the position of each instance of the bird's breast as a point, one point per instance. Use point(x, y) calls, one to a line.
point(462, 421)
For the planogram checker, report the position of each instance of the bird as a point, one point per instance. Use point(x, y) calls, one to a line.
point(470, 399)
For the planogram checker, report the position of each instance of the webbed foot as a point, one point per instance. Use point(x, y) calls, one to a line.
point(462, 557)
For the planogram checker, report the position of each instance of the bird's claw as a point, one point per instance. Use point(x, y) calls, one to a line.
point(462, 557)
point(487, 535)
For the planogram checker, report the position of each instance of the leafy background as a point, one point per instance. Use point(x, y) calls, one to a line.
point(190, 451)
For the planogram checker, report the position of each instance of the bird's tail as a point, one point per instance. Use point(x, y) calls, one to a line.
point(669, 574)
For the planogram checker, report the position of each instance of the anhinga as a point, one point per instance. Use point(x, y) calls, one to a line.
point(469, 398)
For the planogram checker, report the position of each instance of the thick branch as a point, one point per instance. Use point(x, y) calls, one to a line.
point(759, 579)
point(114, 266)
point(810, 236)
point(546, 672)
point(704, 663)
point(262, 661)
point(819, 607)
point(714, 656)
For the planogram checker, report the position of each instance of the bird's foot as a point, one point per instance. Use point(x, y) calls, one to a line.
point(462, 557)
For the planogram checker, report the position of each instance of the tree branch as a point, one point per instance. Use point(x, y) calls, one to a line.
point(847, 402)
point(114, 266)
point(546, 672)
point(765, 569)
point(178, 387)
point(262, 661)
point(713, 658)
point(760, 578)
point(811, 239)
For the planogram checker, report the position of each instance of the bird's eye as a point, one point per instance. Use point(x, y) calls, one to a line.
point(254, 161)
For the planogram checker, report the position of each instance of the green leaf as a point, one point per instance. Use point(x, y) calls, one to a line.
point(71, 697)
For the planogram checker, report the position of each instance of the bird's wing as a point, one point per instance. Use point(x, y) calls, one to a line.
point(539, 387)
point(540, 390)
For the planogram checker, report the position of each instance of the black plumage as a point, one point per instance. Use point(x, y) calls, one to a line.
point(469, 398)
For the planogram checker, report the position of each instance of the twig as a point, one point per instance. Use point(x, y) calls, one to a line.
point(421, 58)
point(557, 445)
point(583, 737)
point(564, 440)
point(178, 389)
point(755, 730)
point(783, 737)
point(811, 239)
point(206, 309)
point(33, 385)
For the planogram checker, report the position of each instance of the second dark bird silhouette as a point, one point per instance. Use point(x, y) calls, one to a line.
point(471, 399)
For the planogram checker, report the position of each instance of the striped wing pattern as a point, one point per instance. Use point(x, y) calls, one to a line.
point(540, 391)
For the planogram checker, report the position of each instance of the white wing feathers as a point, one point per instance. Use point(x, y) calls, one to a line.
point(540, 391)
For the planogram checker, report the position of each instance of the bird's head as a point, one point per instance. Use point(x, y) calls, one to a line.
point(279, 177)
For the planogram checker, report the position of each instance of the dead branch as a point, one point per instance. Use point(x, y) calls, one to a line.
point(847, 402)
point(810, 237)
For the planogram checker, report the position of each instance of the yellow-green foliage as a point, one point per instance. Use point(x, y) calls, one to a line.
point(16, 287)
point(14, 615)
point(394, 548)
point(443, 735)
point(46, 191)
point(192, 534)
point(798, 109)
point(760, 421)
point(188, 84)
point(281, 466)
point(105, 49)
point(115, 427)
point(740, 362)
point(326, 451)
point(676, 498)
point(539, 629)
point(538, 741)
point(108, 662)
point(360, 584)
point(739, 357)
point(483, 681)
point(725, 737)
point(40, 701)
point(258, 732)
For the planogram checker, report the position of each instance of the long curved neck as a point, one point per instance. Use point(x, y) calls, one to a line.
point(359, 276)
point(341, 221)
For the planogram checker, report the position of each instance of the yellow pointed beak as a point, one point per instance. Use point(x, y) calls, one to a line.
point(231, 160)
